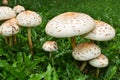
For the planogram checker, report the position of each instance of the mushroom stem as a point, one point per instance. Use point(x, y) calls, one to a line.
point(73, 42)
point(14, 39)
point(82, 67)
point(6, 40)
point(97, 72)
point(50, 55)
point(10, 41)
point(5, 2)
point(29, 39)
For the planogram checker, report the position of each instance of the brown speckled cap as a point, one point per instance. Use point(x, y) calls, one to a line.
point(28, 19)
point(101, 32)
point(99, 62)
point(12, 21)
point(6, 13)
point(19, 9)
point(50, 46)
point(69, 24)
point(86, 51)
point(9, 28)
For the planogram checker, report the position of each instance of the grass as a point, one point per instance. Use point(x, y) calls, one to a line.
point(16, 63)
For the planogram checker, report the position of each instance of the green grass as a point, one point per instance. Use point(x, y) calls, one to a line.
point(16, 63)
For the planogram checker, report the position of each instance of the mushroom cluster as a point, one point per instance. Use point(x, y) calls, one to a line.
point(65, 25)
point(71, 24)
point(8, 27)
point(102, 32)
point(16, 17)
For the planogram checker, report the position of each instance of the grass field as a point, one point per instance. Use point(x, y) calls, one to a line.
point(16, 63)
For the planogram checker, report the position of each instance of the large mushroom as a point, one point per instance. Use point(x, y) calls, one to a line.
point(70, 24)
point(99, 62)
point(86, 51)
point(102, 32)
point(29, 19)
point(9, 28)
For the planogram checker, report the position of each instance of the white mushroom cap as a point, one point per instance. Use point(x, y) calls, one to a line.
point(6, 13)
point(69, 24)
point(28, 19)
point(99, 62)
point(50, 46)
point(101, 32)
point(9, 28)
point(19, 9)
point(86, 51)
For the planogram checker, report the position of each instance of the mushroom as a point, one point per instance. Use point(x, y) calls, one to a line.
point(5, 2)
point(6, 13)
point(101, 32)
point(99, 62)
point(50, 46)
point(69, 24)
point(86, 51)
point(9, 28)
point(19, 9)
point(29, 19)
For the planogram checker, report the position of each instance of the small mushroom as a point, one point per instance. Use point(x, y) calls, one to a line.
point(86, 51)
point(6, 13)
point(69, 24)
point(9, 28)
point(50, 46)
point(101, 32)
point(19, 9)
point(99, 62)
point(5, 2)
point(29, 19)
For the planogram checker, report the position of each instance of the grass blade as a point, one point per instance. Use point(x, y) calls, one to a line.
point(11, 69)
point(111, 72)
